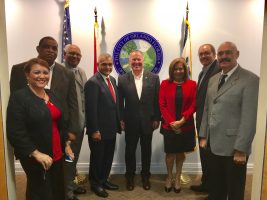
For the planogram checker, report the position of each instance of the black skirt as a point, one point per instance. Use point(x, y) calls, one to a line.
point(178, 143)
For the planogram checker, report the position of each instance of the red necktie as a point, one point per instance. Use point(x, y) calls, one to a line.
point(111, 89)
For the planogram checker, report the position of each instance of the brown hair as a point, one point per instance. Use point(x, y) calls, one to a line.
point(172, 66)
point(33, 61)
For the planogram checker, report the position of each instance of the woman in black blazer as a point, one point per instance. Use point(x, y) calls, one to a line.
point(34, 130)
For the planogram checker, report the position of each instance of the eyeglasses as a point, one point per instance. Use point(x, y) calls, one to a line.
point(74, 54)
point(227, 52)
point(106, 64)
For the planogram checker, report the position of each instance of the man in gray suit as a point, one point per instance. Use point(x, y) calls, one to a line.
point(207, 57)
point(72, 57)
point(140, 113)
point(229, 124)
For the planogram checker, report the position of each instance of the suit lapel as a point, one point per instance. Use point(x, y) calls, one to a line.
point(55, 81)
point(104, 85)
point(229, 83)
point(78, 78)
point(132, 86)
point(207, 75)
point(144, 85)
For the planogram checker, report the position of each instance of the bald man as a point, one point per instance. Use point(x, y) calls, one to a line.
point(229, 124)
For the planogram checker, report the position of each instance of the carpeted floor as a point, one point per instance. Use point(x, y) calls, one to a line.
point(156, 193)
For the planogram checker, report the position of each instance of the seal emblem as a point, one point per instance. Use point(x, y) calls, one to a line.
point(153, 55)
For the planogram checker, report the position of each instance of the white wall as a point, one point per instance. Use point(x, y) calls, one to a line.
point(212, 21)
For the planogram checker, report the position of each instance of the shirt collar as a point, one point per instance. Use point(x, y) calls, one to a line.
point(139, 77)
point(230, 72)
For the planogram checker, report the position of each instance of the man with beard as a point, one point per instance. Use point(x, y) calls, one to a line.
point(140, 116)
point(229, 124)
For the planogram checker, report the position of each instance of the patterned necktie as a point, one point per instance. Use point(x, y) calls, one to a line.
point(111, 89)
point(222, 81)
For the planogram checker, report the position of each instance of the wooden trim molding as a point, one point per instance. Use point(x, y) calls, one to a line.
point(264, 178)
point(3, 182)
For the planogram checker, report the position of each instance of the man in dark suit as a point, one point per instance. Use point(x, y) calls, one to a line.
point(102, 123)
point(207, 57)
point(140, 113)
point(61, 83)
point(72, 57)
point(228, 124)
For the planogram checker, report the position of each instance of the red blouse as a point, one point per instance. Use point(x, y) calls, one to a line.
point(167, 96)
point(56, 140)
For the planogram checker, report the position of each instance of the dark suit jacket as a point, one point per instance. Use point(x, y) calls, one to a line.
point(202, 90)
point(29, 123)
point(102, 113)
point(167, 103)
point(62, 86)
point(134, 110)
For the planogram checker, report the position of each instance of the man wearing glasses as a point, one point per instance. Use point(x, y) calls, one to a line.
point(72, 57)
point(229, 124)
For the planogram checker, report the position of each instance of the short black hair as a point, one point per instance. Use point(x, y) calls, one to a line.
point(45, 38)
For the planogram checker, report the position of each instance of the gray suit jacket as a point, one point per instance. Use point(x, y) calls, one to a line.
point(80, 80)
point(134, 110)
point(229, 117)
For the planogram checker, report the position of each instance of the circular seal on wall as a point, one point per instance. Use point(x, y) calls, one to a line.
point(153, 55)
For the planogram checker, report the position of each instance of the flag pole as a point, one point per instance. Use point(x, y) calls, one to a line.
point(95, 40)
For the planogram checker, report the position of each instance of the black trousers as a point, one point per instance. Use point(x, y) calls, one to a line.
point(41, 184)
point(227, 179)
point(204, 159)
point(101, 158)
point(70, 167)
point(131, 141)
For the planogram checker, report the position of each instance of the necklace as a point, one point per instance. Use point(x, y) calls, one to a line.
point(43, 96)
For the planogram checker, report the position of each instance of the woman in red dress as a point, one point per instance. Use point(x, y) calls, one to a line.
point(177, 100)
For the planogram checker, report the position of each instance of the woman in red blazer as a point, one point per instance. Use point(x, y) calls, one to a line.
point(177, 101)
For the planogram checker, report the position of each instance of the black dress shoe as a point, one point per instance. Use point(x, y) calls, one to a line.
point(79, 190)
point(146, 183)
point(130, 183)
point(177, 190)
point(99, 191)
point(168, 189)
point(110, 186)
point(199, 188)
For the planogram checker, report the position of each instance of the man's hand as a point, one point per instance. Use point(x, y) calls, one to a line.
point(72, 136)
point(96, 136)
point(203, 143)
point(68, 150)
point(240, 158)
point(155, 125)
point(122, 125)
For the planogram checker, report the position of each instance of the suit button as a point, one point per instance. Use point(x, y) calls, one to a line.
point(214, 101)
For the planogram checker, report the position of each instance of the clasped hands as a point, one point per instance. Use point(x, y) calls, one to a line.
point(176, 125)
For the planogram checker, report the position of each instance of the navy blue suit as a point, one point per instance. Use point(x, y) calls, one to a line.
point(102, 114)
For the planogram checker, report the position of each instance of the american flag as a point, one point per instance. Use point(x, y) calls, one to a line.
point(187, 47)
point(66, 34)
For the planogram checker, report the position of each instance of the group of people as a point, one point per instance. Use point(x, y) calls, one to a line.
point(51, 105)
